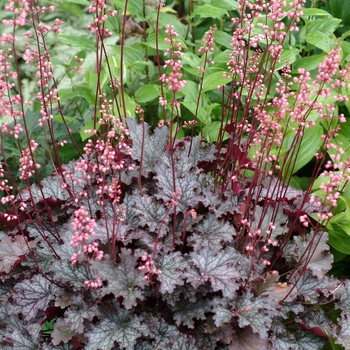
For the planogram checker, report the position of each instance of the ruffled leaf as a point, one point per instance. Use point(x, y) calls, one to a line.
point(203, 339)
point(151, 213)
point(15, 333)
point(269, 285)
point(49, 188)
point(187, 292)
point(75, 177)
point(245, 339)
point(106, 228)
point(64, 298)
point(281, 339)
point(211, 233)
point(180, 341)
point(145, 145)
point(263, 217)
point(185, 313)
point(32, 296)
point(273, 188)
point(143, 345)
point(300, 340)
point(224, 333)
point(343, 295)
point(124, 279)
point(62, 332)
point(310, 287)
point(44, 258)
point(343, 337)
point(222, 311)
point(118, 326)
point(308, 341)
point(185, 180)
point(64, 271)
point(78, 312)
point(317, 321)
point(256, 312)
point(171, 267)
point(229, 204)
point(12, 250)
point(160, 331)
point(198, 153)
point(23, 340)
point(314, 252)
point(216, 267)
point(61, 346)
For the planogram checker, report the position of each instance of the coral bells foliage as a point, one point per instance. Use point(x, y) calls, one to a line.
point(163, 269)
point(151, 242)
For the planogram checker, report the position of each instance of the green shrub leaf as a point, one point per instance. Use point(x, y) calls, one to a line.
point(147, 93)
point(321, 40)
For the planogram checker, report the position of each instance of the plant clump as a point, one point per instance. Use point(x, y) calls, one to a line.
point(169, 213)
point(166, 269)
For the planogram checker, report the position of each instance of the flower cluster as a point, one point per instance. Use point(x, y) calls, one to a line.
point(27, 161)
point(111, 150)
point(84, 230)
point(208, 41)
point(174, 78)
point(99, 8)
point(148, 267)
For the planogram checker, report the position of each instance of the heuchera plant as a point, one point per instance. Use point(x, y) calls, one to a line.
point(150, 241)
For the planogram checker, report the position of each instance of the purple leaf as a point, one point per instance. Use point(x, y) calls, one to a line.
point(64, 271)
point(32, 296)
point(62, 332)
point(222, 311)
point(316, 321)
point(50, 188)
point(310, 287)
point(124, 279)
point(146, 145)
point(343, 337)
point(180, 341)
point(256, 312)
point(343, 295)
point(12, 250)
point(185, 312)
point(273, 188)
point(245, 339)
point(151, 213)
point(263, 217)
point(185, 180)
point(78, 312)
point(118, 326)
point(105, 228)
point(160, 331)
point(217, 267)
point(64, 298)
point(211, 233)
point(224, 333)
point(279, 291)
point(172, 267)
point(313, 251)
point(23, 340)
point(198, 152)
point(308, 341)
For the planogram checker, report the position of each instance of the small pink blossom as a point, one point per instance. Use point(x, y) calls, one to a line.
point(148, 267)
point(27, 162)
point(162, 101)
